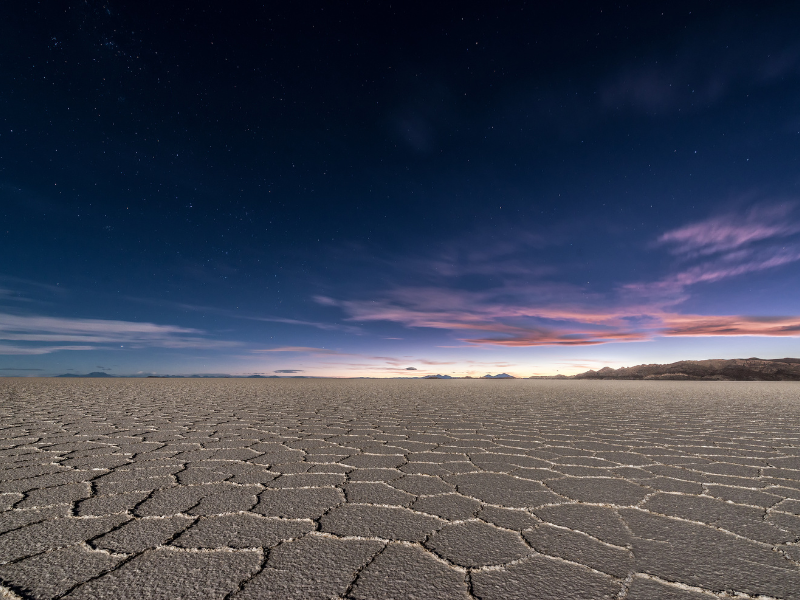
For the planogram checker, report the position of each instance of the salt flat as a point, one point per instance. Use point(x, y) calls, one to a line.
point(362, 489)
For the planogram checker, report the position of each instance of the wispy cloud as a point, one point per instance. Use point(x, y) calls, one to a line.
point(512, 313)
point(317, 324)
point(731, 232)
point(11, 349)
point(31, 331)
point(237, 314)
point(723, 247)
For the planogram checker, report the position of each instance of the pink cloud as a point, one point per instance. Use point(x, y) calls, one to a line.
point(565, 338)
point(723, 325)
point(518, 313)
point(517, 324)
point(725, 233)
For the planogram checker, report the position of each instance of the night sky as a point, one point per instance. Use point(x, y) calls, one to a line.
point(362, 188)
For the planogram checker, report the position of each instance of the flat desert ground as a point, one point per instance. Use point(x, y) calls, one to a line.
point(378, 489)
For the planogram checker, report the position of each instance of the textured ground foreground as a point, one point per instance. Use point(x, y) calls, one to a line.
point(398, 489)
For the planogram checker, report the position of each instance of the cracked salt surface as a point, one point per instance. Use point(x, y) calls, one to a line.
point(399, 489)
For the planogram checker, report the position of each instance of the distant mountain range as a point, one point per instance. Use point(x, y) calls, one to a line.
point(500, 376)
point(737, 369)
point(212, 376)
point(93, 374)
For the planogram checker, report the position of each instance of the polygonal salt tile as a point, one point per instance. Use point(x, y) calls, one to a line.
point(109, 505)
point(311, 567)
point(789, 506)
point(477, 544)
point(648, 589)
point(225, 499)
point(146, 484)
point(422, 485)
point(743, 495)
point(9, 500)
point(374, 475)
point(542, 578)
point(62, 494)
point(375, 461)
point(141, 534)
point(236, 454)
point(580, 548)
point(307, 480)
point(57, 533)
point(409, 572)
point(379, 521)
point(536, 474)
point(241, 531)
point(702, 556)
point(329, 468)
point(173, 500)
point(294, 467)
point(747, 521)
point(601, 490)
point(425, 469)
point(189, 576)
point(788, 462)
point(200, 475)
point(668, 484)
point(496, 488)
point(508, 518)
point(448, 506)
point(51, 574)
point(14, 519)
point(302, 503)
point(598, 521)
point(376, 493)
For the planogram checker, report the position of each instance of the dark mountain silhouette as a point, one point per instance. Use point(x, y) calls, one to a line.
point(737, 369)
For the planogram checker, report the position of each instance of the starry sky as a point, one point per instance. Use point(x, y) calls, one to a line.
point(387, 189)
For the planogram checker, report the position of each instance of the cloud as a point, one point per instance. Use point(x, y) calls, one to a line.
point(411, 368)
point(289, 371)
point(236, 314)
point(7, 349)
point(318, 325)
point(722, 325)
point(32, 331)
point(733, 231)
point(723, 247)
point(576, 337)
point(519, 325)
point(517, 313)
point(13, 369)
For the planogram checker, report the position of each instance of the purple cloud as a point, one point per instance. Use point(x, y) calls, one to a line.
point(513, 313)
point(729, 232)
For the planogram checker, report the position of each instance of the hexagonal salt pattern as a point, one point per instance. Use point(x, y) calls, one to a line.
point(358, 489)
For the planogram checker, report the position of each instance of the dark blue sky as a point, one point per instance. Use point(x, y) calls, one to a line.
point(355, 188)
